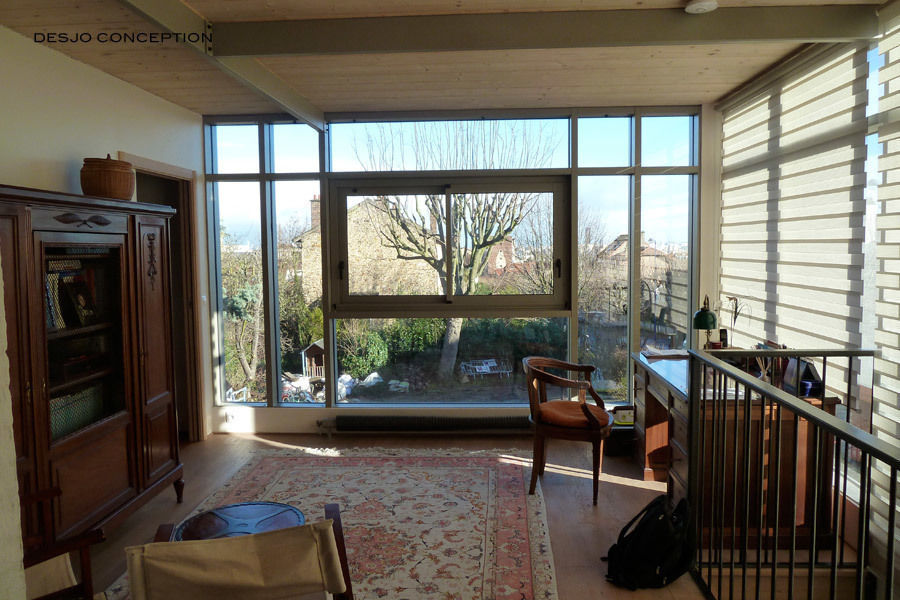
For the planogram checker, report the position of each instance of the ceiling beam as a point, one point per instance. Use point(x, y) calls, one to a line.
point(175, 17)
point(580, 29)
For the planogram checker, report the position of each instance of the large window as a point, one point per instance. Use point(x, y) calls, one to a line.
point(434, 255)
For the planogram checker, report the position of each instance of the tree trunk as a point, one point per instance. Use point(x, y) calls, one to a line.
point(451, 346)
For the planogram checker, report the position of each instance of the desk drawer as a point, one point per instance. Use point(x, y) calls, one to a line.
point(659, 391)
point(639, 413)
point(680, 405)
point(679, 460)
point(679, 429)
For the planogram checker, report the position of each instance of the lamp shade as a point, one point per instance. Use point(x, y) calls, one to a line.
point(704, 318)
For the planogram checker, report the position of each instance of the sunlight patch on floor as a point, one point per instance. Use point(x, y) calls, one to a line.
point(658, 486)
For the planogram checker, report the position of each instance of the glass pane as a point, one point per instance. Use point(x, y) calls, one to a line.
point(664, 293)
point(237, 149)
point(603, 251)
point(450, 145)
point(406, 361)
point(83, 312)
point(666, 141)
point(604, 142)
point(242, 291)
point(503, 243)
point(296, 148)
point(396, 245)
point(300, 291)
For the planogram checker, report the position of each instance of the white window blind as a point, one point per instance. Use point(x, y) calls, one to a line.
point(886, 389)
point(793, 207)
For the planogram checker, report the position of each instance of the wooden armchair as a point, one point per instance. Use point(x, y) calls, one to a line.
point(299, 562)
point(564, 419)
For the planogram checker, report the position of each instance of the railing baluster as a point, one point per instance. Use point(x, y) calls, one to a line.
point(746, 492)
point(817, 465)
point(846, 447)
point(775, 471)
point(892, 514)
point(862, 534)
point(836, 526)
point(793, 550)
point(762, 457)
point(734, 496)
point(713, 487)
point(721, 403)
point(701, 487)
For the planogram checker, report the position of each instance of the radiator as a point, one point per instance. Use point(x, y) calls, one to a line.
point(345, 423)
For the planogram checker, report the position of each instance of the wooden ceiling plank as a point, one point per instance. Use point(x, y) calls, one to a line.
point(175, 16)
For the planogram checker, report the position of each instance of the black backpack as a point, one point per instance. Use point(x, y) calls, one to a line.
point(656, 551)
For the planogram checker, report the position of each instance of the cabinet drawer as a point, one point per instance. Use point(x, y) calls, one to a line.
point(679, 429)
point(76, 219)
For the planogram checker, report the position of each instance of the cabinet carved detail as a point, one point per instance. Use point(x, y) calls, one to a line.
point(70, 218)
point(151, 260)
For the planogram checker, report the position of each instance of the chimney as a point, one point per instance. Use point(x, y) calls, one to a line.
point(315, 210)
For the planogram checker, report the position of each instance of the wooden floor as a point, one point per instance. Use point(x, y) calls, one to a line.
point(580, 533)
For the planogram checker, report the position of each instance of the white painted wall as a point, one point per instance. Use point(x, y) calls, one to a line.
point(56, 112)
point(11, 574)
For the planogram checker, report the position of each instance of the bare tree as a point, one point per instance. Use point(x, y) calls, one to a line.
point(417, 229)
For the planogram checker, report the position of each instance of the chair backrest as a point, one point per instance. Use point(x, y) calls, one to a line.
point(276, 564)
point(538, 378)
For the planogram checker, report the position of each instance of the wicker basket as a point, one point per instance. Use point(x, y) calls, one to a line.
point(107, 178)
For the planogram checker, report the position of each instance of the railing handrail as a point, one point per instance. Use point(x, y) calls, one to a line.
point(791, 352)
point(866, 441)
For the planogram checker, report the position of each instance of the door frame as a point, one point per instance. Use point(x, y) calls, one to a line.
point(187, 182)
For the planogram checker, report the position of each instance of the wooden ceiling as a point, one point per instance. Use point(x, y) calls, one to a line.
point(358, 66)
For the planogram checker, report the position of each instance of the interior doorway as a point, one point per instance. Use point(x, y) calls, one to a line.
point(158, 183)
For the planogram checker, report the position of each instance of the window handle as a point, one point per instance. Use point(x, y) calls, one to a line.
point(557, 264)
point(340, 269)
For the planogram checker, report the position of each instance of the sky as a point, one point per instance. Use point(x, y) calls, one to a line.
point(603, 142)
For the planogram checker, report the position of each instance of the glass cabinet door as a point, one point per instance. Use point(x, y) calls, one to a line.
point(82, 287)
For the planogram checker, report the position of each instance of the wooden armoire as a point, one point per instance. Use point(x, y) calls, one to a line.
point(86, 290)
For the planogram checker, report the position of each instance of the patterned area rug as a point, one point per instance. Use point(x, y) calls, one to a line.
point(419, 525)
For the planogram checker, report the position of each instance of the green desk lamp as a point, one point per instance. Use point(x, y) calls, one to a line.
point(705, 319)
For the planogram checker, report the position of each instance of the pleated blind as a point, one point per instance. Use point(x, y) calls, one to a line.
point(886, 389)
point(793, 178)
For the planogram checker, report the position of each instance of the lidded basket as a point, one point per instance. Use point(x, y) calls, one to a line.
point(107, 178)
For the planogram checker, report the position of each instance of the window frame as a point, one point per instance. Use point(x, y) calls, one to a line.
point(344, 304)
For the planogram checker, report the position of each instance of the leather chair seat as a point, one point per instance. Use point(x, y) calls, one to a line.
point(563, 413)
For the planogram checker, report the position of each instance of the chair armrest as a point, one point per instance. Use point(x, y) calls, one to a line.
point(164, 532)
point(593, 423)
point(597, 399)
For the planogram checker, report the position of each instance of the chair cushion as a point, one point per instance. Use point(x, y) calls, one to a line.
point(564, 413)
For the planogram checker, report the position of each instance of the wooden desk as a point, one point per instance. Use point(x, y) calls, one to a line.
point(662, 426)
point(661, 415)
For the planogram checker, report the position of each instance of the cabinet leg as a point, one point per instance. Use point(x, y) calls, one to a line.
point(179, 490)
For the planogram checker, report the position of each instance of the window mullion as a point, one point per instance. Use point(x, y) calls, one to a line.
point(269, 241)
